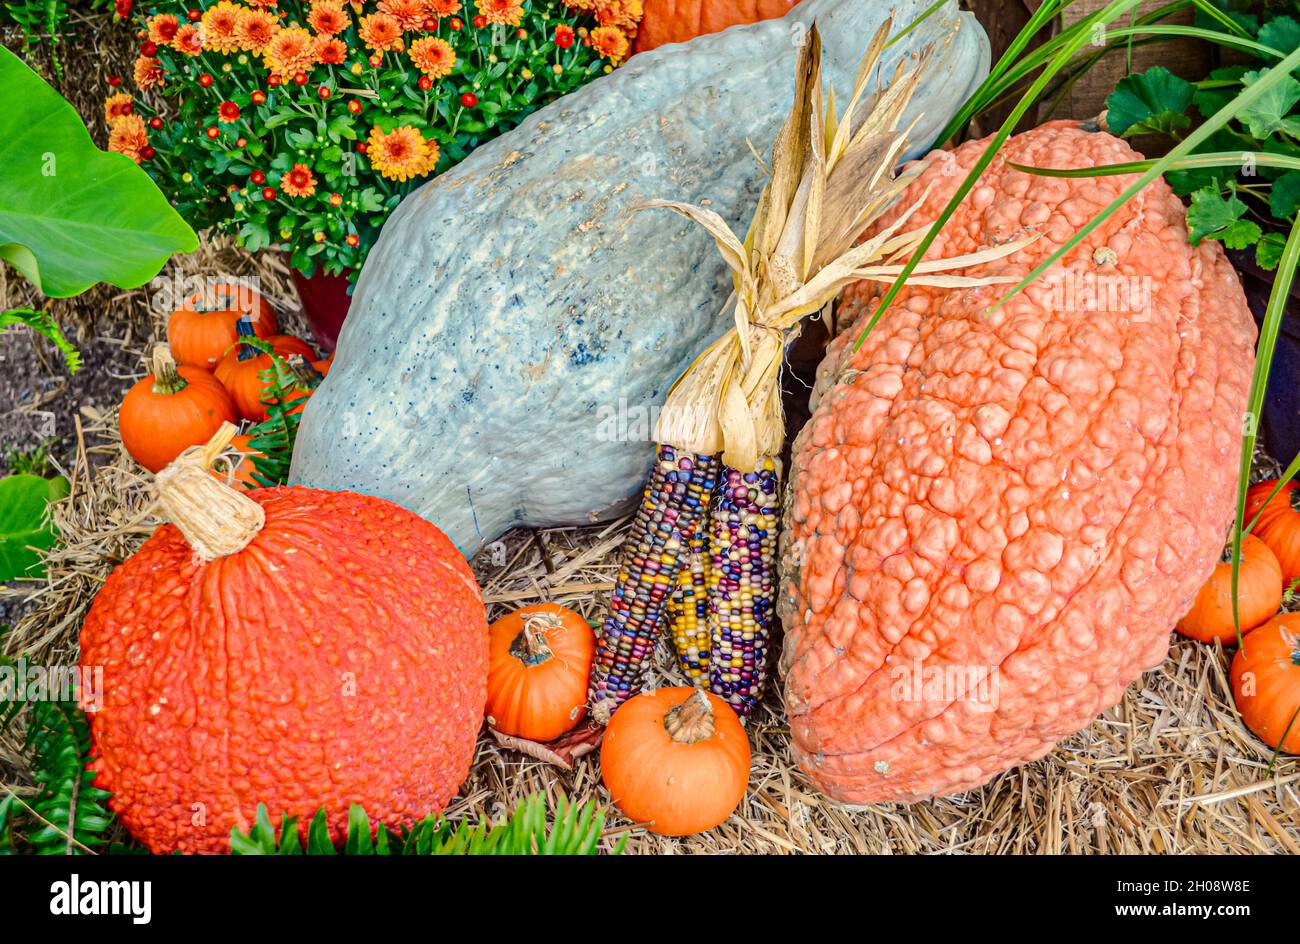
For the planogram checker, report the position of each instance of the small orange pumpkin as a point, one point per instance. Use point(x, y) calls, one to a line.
point(202, 330)
point(1266, 682)
point(242, 473)
point(170, 410)
point(1279, 523)
point(1259, 594)
point(240, 371)
point(538, 666)
point(675, 759)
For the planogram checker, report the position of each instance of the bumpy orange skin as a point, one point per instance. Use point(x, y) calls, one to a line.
point(1036, 493)
point(340, 658)
point(676, 21)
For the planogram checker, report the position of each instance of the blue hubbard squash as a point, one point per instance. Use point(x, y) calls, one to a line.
point(518, 320)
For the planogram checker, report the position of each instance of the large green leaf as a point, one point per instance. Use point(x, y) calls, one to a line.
point(22, 522)
point(72, 215)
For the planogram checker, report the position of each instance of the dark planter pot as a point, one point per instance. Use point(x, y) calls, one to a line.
point(1281, 420)
point(325, 302)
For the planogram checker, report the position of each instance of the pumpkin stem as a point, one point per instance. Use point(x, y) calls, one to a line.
point(244, 329)
point(530, 646)
point(692, 720)
point(216, 519)
point(305, 376)
point(166, 378)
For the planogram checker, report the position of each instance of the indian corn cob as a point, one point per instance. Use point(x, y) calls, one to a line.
point(672, 511)
point(688, 612)
point(743, 525)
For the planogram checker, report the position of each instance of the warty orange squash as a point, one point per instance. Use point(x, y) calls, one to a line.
point(676, 21)
point(997, 516)
point(291, 647)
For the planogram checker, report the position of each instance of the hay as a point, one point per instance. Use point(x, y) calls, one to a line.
point(1171, 769)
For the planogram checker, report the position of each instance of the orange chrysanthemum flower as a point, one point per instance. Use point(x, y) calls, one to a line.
point(504, 12)
point(623, 14)
point(582, 6)
point(331, 51)
point(263, 3)
point(444, 7)
point(433, 56)
point(128, 136)
point(398, 155)
point(256, 29)
point(328, 17)
point(299, 182)
point(162, 28)
point(410, 14)
point(290, 51)
point(220, 27)
point(609, 42)
point(381, 32)
point(188, 40)
point(148, 72)
point(431, 161)
point(227, 112)
point(118, 106)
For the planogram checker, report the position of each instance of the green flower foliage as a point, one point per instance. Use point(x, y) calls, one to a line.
point(232, 173)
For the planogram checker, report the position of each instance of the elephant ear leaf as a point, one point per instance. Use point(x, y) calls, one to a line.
point(72, 215)
point(23, 526)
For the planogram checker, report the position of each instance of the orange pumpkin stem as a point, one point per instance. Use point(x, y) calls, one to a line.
point(305, 376)
point(216, 520)
point(692, 720)
point(167, 380)
point(530, 646)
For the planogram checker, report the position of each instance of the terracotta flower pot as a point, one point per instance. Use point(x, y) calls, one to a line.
point(325, 302)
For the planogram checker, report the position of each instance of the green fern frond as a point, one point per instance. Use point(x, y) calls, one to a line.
point(573, 830)
point(68, 814)
point(43, 323)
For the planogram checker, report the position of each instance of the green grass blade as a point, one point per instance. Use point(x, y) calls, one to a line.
point(1276, 75)
point(1273, 315)
point(1196, 32)
point(1192, 161)
point(1064, 55)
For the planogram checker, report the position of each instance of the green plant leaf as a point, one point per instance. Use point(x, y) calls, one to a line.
point(1268, 251)
point(72, 215)
point(1284, 197)
point(23, 499)
point(1282, 33)
point(1268, 114)
point(1153, 101)
point(43, 323)
point(1212, 216)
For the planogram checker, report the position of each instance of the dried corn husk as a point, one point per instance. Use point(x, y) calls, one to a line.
point(831, 179)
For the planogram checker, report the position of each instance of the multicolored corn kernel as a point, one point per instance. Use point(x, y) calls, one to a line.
point(673, 509)
point(743, 525)
point(688, 612)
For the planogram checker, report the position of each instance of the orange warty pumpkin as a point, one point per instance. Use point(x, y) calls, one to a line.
point(998, 514)
point(1279, 523)
point(170, 410)
point(676, 21)
point(539, 663)
point(1266, 682)
point(294, 647)
point(240, 371)
point(675, 759)
point(1259, 594)
point(202, 330)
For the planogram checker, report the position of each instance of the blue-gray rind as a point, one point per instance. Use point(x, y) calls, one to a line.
point(518, 321)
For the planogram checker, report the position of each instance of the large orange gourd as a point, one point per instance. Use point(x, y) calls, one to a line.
point(676, 21)
point(997, 517)
point(288, 646)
